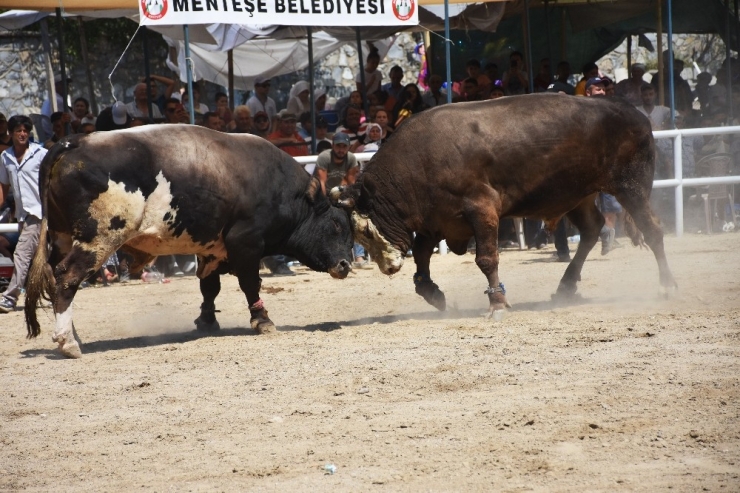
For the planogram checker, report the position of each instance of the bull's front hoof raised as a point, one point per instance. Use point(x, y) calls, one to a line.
point(205, 323)
point(262, 323)
point(71, 350)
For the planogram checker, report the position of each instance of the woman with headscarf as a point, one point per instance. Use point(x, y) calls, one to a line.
point(319, 100)
point(299, 95)
point(373, 138)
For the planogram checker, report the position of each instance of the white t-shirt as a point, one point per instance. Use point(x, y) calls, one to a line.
point(134, 111)
point(659, 117)
point(269, 107)
point(372, 80)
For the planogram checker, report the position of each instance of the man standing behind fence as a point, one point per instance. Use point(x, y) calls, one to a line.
point(20, 171)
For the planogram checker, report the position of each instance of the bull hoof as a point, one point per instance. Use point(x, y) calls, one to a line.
point(497, 315)
point(71, 350)
point(204, 325)
point(262, 323)
point(432, 295)
point(669, 292)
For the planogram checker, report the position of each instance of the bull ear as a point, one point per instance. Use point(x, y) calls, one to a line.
point(314, 187)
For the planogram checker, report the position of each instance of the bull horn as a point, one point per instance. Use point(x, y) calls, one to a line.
point(346, 203)
point(335, 193)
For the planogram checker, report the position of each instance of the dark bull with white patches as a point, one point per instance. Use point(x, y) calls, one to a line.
point(167, 189)
point(539, 156)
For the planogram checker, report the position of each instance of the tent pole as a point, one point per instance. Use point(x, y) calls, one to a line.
point(188, 69)
point(147, 72)
point(728, 57)
point(311, 100)
point(671, 82)
point(447, 52)
point(563, 36)
point(88, 72)
point(49, 69)
point(629, 55)
point(528, 46)
point(549, 41)
point(365, 102)
point(62, 67)
point(661, 68)
point(230, 55)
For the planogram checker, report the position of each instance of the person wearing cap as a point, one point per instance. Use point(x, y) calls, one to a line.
point(20, 172)
point(261, 125)
point(114, 117)
point(286, 137)
point(260, 101)
point(595, 86)
point(589, 70)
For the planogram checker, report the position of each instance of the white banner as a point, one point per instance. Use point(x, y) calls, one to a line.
point(281, 12)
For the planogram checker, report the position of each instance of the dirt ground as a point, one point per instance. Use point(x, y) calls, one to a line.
point(624, 391)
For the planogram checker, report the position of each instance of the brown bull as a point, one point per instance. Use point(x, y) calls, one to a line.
point(452, 172)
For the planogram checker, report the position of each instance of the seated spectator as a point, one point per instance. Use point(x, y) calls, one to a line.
point(381, 118)
point(710, 97)
point(373, 139)
point(373, 76)
point(319, 100)
point(222, 108)
point(261, 125)
point(351, 125)
point(213, 121)
point(322, 128)
point(543, 79)
point(87, 125)
point(174, 112)
point(242, 122)
point(139, 107)
point(589, 70)
point(198, 107)
point(491, 71)
point(409, 103)
point(286, 136)
point(471, 90)
point(80, 110)
point(497, 90)
point(323, 146)
point(299, 98)
point(434, 96)
point(474, 72)
point(684, 98)
point(59, 129)
point(515, 79)
point(631, 89)
point(5, 139)
point(561, 83)
point(114, 117)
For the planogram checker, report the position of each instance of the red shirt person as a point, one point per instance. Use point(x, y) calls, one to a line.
point(286, 137)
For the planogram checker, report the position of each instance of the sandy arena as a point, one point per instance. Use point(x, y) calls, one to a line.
point(625, 391)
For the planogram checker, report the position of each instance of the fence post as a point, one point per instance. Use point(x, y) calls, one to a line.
point(678, 175)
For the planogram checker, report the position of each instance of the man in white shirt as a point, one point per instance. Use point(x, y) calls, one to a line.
point(20, 171)
point(660, 116)
point(260, 101)
point(138, 108)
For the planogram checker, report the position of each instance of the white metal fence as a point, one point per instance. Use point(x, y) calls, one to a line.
point(678, 182)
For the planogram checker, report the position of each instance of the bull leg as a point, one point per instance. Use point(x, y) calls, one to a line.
point(639, 208)
point(69, 274)
point(245, 252)
point(210, 286)
point(425, 287)
point(587, 218)
point(485, 223)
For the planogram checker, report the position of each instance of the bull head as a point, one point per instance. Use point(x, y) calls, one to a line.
point(389, 258)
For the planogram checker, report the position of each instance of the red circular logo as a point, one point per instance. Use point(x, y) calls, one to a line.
point(154, 9)
point(403, 9)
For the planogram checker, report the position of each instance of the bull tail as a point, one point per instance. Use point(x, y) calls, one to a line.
point(40, 282)
point(630, 228)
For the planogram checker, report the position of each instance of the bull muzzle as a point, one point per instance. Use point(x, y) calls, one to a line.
point(341, 270)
